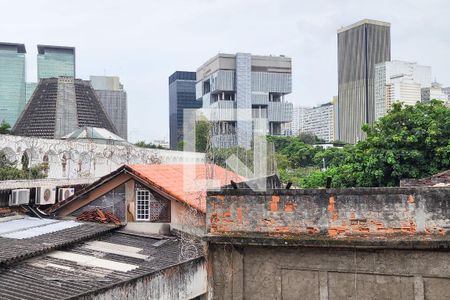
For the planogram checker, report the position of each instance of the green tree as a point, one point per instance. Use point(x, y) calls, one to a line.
point(202, 135)
point(8, 170)
point(5, 127)
point(409, 142)
point(143, 144)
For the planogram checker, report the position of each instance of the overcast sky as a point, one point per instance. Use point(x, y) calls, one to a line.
point(143, 42)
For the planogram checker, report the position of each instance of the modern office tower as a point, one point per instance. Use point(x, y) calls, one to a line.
point(319, 120)
point(399, 81)
point(55, 61)
point(29, 90)
point(181, 96)
point(12, 81)
point(111, 94)
point(360, 47)
point(59, 106)
point(434, 92)
point(254, 85)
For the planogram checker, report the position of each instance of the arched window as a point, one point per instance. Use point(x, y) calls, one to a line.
point(64, 163)
point(25, 161)
point(45, 163)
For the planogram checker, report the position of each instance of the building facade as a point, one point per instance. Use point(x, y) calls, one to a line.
point(298, 119)
point(360, 47)
point(59, 106)
point(112, 95)
point(319, 121)
point(181, 96)
point(241, 88)
point(397, 81)
point(12, 81)
point(447, 92)
point(55, 61)
point(434, 92)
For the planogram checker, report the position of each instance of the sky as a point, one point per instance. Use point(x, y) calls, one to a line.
point(144, 42)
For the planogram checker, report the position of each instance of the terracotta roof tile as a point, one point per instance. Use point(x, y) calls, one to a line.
point(184, 182)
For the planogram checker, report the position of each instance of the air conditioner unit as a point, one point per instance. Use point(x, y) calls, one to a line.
point(19, 197)
point(45, 195)
point(64, 193)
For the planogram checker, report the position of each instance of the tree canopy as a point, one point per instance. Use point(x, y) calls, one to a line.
point(5, 127)
point(409, 142)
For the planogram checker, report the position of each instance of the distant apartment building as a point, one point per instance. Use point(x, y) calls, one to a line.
point(254, 85)
point(55, 61)
point(298, 119)
point(12, 81)
point(434, 92)
point(360, 47)
point(447, 92)
point(399, 81)
point(113, 97)
point(181, 96)
point(319, 120)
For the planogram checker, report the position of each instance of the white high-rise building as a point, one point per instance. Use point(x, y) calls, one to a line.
point(298, 117)
point(399, 81)
point(319, 120)
point(434, 92)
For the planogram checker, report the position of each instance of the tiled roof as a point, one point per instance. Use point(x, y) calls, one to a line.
point(92, 266)
point(180, 181)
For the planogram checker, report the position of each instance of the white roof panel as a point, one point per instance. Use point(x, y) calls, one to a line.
point(40, 230)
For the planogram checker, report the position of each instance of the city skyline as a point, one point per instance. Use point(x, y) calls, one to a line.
point(306, 33)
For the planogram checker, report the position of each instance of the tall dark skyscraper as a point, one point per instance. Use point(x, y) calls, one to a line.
point(360, 47)
point(181, 96)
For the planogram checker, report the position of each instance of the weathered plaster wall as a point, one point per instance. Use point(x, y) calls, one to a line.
point(73, 159)
point(184, 281)
point(254, 272)
point(334, 213)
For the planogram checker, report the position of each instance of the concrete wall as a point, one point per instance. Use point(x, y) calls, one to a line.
point(375, 243)
point(184, 281)
point(336, 213)
point(84, 159)
point(256, 272)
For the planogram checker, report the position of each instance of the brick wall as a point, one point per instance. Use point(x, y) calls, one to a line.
point(336, 213)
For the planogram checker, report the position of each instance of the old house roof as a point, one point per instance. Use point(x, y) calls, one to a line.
point(22, 237)
point(182, 182)
point(78, 261)
point(437, 180)
point(179, 181)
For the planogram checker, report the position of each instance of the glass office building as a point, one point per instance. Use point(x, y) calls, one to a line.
point(12, 81)
point(29, 90)
point(181, 96)
point(55, 61)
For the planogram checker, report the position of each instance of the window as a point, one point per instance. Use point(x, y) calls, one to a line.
point(142, 205)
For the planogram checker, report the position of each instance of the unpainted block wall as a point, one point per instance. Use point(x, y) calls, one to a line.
point(333, 212)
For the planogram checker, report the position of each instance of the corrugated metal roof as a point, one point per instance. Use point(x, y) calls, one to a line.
point(41, 229)
point(13, 250)
point(54, 276)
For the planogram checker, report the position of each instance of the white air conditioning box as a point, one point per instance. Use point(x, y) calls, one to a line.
point(45, 195)
point(19, 197)
point(64, 193)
